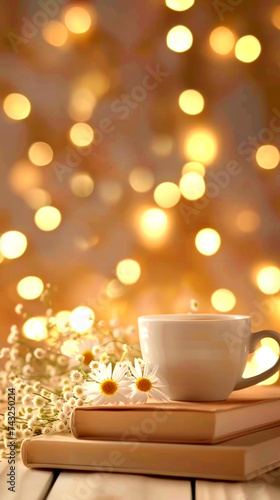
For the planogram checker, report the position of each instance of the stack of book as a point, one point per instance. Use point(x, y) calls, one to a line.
point(237, 439)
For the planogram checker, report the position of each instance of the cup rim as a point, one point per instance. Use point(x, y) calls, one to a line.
point(193, 317)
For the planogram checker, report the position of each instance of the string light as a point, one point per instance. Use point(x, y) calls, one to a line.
point(128, 271)
point(81, 134)
point(17, 106)
point(194, 166)
point(167, 194)
point(223, 300)
point(222, 40)
point(78, 20)
point(179, 39)
point(30, 288)
point(267, 156)
point(35, 328)
point(192, 186)
point(191, 102)
point(207, 241)
point(55, 33)
point(81, 184)
point(81, 319)
point(201, 146)
point(268, 280)
point(40, 153)
point(47, 218)
point(12, 244)
point(141, 179)
point(248, 221)
point(247, 48)
point(179, 5)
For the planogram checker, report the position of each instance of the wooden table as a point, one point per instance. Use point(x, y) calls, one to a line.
point(69, 485)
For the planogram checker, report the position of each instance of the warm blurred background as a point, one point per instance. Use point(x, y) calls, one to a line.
point(139, 158)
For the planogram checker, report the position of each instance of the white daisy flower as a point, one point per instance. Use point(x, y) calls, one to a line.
point(146, 384)
point(86, 348)
point(108, 386)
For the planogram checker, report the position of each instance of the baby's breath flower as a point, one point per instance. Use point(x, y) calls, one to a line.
point(54, 398)
point(27, 433)
point(28, 389)
point(62, 360)
point(76, 377)
point(19, 434)
point(94, 365)
point(193, 305)
point(80, 358)
point(79, 402)
point(36, 386)
point(27, 400)
point(19, 309)
point(60, 427)
point(78, 391)
point(130, 330)
point(59, 403)
point(65, 381)
point(125, 348)
point(27, 370)
point(66, 408)
point(95, 350)
point(28, 357)
point(49, 312)
point(46, 430)
point(45, 392)
point(13, 337)
point(103, 357)
point(66, 388)
point(39, 353)
point(14, 354)
point(72, 401)
point(4, 352)
point(114, 322)
point(39, 402)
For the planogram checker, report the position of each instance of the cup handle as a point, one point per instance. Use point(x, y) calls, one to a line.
point(254, 340)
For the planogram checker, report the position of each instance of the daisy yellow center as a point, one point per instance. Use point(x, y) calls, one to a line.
point(89, 357)
point(143, 384)
point(109, 387)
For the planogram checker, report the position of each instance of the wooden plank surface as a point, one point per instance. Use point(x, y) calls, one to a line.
point(30, 484)
point(265, 488)
point(109, 486)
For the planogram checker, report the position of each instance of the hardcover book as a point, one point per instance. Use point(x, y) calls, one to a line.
point(244, 412)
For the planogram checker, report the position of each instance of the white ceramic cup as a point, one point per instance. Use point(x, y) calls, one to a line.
point(201, 357)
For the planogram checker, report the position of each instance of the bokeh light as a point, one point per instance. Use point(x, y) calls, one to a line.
point(81, 105)
point(30, 288)
point(265, 357)
point(179, 39)
point(35, 328)
point(12, 244)
point(81, 134)
point(128, 271)
point(162, 145)
point(194, 166)
point(40, 153)
point(36, 198)
point(110, 191)
point(153, 224)
point(141, 179)
point(55, 33)
point(272, 344)
point(247, 48)
point(47, 218)
point(267, 156)
point(81, 319)
point(223, 300)
point(275, 17)
point(17, 106)
point(192, 186)
point(62, 321)
point(23, 176)
point(191, 102)
point(81, 184)
point(201, 146)
point(248, 221)
point(207, 241)
point(77, 19)
point(179, 5)
point(167, 194)
point(268, 280)
point(222, 40)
